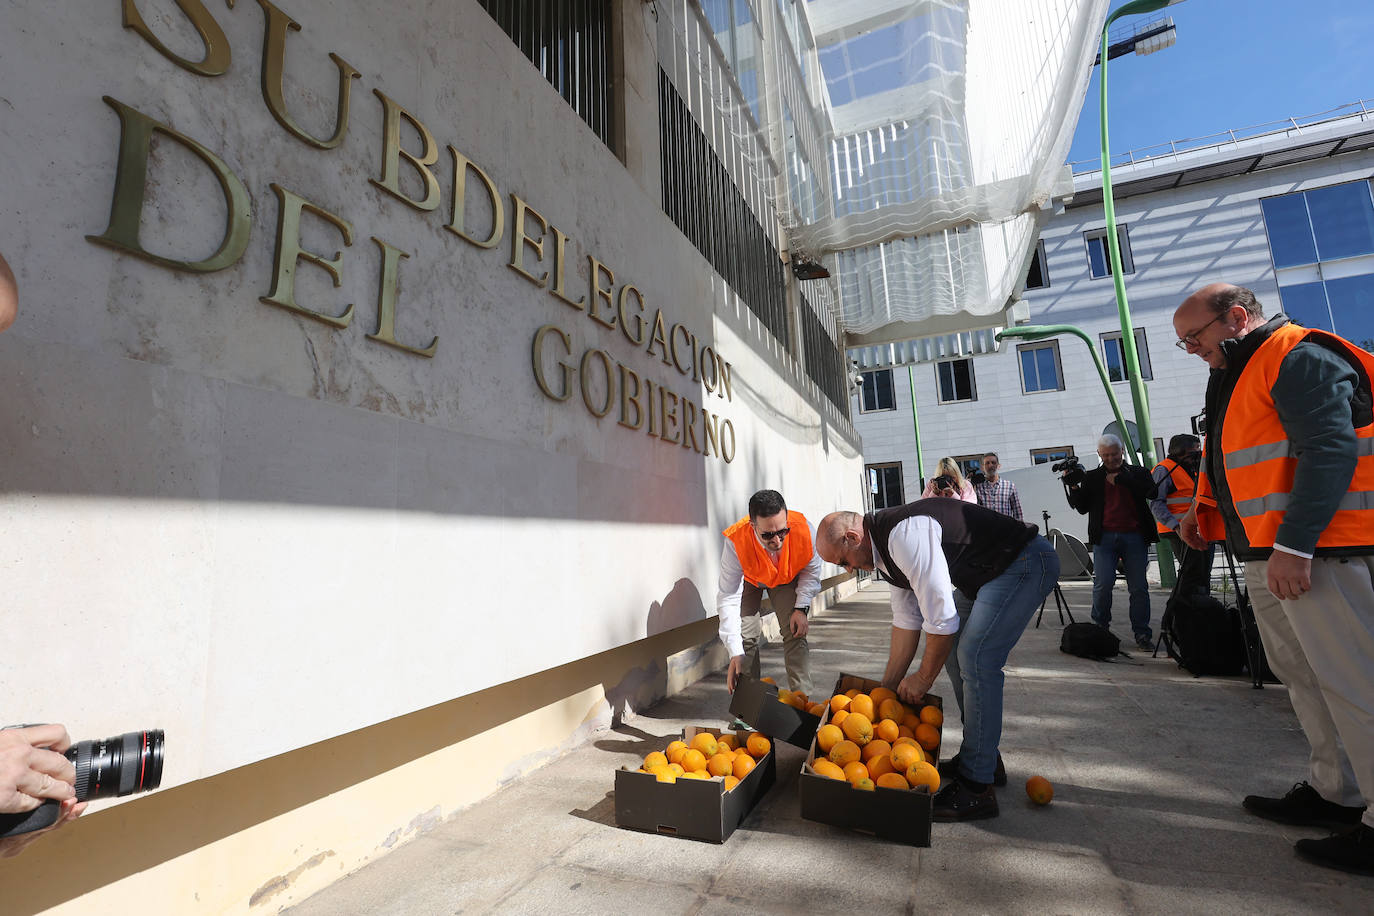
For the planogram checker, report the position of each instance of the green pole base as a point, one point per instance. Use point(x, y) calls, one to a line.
point(1164, 552)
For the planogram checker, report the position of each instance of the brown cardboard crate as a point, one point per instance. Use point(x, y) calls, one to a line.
point(756, 702)
point(900, 815)
point(698, 809)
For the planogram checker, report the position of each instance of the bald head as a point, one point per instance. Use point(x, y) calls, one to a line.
point(1217, 312)
point(840, 539)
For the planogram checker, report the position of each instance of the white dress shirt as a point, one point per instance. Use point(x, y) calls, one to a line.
point(730, 589)
point(929, 604)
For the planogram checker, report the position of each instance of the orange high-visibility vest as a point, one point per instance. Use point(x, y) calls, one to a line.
point(758, 568)
point(1182, 497)
point(1260, 462)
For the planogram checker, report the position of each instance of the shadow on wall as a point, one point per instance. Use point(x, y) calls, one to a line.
point(645, 685)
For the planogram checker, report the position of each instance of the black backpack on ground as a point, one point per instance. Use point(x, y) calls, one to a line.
point(1088, 640)
point(1205, 636)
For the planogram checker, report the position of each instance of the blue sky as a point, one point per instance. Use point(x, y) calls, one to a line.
point(1237, 63)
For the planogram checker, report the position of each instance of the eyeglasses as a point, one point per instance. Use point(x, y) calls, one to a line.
point(774, 535)
point(1190, 339)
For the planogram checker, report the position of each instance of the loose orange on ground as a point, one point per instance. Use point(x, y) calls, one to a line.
point(1039, 790)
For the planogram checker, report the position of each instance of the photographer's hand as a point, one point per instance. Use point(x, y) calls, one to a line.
point(14, 845)
point(32, 768)
point(1188, 530)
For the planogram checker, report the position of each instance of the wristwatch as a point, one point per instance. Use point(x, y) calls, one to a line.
point(801, 609)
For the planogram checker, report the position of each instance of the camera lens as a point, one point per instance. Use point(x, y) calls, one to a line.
point(123, 765)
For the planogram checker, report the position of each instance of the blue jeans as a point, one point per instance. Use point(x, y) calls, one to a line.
point(995, 623)
point(1130, 547)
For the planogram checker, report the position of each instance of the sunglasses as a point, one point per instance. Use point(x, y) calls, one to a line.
point(774, 535)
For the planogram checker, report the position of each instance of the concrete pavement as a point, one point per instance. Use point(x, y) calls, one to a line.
point(1149, 765)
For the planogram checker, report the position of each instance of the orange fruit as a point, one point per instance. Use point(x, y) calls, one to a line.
point(887, 730)
point(665, 775)
point(865, 784)
point(695, 774)
point(932, 715)
point(828, 770)
point(858, 729)
point(910, 720)
point(676, 769)
point(923, 774)
point(855, 770)
point(758, 745)
point(767, 680)
point(784, 696)
point(904, 755)
point(801, 695)
point(731, 782)
point(673, 746)
point(845, 752)
point(694, 761)
point(827, 736)
point(742, 766)
point(906, 739)
point(879, 694)
point(927, 736)
point(863, 705)
point(816, 709)
point(719, 764)
point(906, 732)
point(725, 743)
point(875, 748)
point(879, 765)
point(675, 754)
point(891, 709)
point(1039, 790)
point(838, 701)
point(893, 781)
point(706, 743)
point(838, 718)
point(852, 692)
point(655, 759)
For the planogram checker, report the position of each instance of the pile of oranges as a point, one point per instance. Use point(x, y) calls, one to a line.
point(873, 739)
point(707, 756)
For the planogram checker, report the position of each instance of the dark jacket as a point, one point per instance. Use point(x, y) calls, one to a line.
point(1090, 499)
point(979, 544)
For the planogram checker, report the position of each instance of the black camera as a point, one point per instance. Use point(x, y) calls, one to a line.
point(944, 482)
point(1070, 470)
point(124, 765)
point(976, 477)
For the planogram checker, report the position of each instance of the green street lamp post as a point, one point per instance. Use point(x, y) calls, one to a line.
point(1139, 398)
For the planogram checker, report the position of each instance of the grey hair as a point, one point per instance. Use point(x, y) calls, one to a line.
point(1111, 440)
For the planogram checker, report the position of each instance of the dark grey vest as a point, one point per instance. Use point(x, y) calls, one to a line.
point(979, 544)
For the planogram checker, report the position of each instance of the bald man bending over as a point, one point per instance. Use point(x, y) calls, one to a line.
point(923, 550)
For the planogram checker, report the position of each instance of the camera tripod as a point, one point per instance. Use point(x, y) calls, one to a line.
point(1061, 603)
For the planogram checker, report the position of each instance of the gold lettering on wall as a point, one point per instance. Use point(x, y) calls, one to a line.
point(217, 55)
point(637, 336)
point(668, 410)
point(462, 165)
point(560, 283)
point(131, 175)
point(386, 302)
point(677, 361)
point(588, 386)
point(601, 294)
point(289, 252)
point(519, 238)
point(273, 67)
point(659, 338)
point(392, 154)
point(630, 398)
point(537, 358)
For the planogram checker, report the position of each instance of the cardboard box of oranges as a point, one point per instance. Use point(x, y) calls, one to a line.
point(709, 803)
point(872, 764)
point(777, 713)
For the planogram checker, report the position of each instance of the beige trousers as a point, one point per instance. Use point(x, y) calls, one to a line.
point(796, 656)
point(1322, 647)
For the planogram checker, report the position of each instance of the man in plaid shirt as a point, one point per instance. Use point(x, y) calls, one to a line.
point(995, 493)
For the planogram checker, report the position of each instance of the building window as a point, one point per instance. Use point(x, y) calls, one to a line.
point(968, 463)
point(876, 392)
point(1038, 277)
point(885, 484)
point(1114, 355)
point(1099, 259)
point(1159, 449)
point(1047, 455)
point(955, 380)
point(1040, 369)
point(1322, 245)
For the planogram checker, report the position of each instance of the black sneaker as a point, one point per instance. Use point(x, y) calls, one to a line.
point(1305, 807)
point(957, 802)
point(1352, 851)
point(950, 769)
point(1144, 644)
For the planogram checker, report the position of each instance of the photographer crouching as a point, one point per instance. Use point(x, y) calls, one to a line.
point(1115, 497)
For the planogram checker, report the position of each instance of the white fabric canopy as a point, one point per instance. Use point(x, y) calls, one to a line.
point(914, 148)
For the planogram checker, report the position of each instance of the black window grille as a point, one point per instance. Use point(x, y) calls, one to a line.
point(569, 41)
point(825, 362)
point(700, 197)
